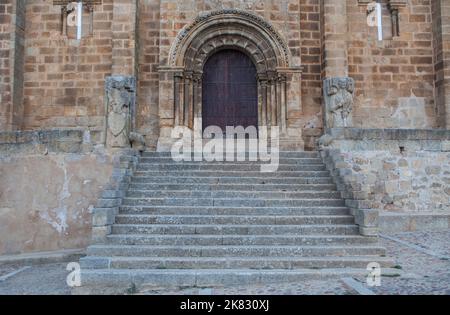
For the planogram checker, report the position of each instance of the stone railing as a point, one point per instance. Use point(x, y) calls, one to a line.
point(388, 170)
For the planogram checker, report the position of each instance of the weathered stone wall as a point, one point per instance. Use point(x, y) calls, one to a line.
point(394, 77)
point(50, 182)
point(396, 174)
point(395, 170)
point(64, 78)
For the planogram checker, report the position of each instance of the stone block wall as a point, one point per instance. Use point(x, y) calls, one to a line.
point(441, 39)
point(64, 78)
point(394, 77)
point(401, 82)
point(147, 118)
point(5, 74)
point(405, 171)
point(311, 50)
point(50, 182)
point(12, 36)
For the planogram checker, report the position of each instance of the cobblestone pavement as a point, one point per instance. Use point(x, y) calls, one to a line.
point(422, 273)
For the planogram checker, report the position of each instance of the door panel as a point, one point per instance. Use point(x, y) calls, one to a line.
point(230, 93)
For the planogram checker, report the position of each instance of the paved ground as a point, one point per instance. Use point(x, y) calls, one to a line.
point(423, 259)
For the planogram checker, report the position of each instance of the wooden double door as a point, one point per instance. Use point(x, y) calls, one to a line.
point(230, 92)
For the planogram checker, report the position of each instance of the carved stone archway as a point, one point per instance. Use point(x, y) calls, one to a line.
point(181, 77)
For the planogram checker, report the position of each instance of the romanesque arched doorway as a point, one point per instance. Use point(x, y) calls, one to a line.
point(230, 91)
point(278, 81)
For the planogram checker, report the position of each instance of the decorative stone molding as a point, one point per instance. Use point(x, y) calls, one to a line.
point(225, 16)
point(120, 94)
point(338, 96)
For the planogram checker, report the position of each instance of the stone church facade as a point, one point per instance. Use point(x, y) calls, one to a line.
point(74, 98)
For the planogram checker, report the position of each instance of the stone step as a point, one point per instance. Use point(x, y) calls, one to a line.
point(174, 210)
point(242, 240)
point(233, 220)
point(235, 202)
point(94, 280)
point(233, 187)
point(282, 154)
point(251, 263)
point(220, 173)
point(185, 167)
point(232, 251)
point(232, 180)
point(143, 194)
point(241, 229)
point(281, 160)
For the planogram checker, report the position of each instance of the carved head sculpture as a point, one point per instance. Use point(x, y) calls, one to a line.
point(338, 84)
point(119, 98)
point(119, 101)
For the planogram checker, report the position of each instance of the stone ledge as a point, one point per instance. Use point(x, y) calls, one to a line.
point(49, 141)
point(392, 222)
point(388, 134)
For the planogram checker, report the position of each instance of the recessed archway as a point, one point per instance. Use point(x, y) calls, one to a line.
point(277, 81)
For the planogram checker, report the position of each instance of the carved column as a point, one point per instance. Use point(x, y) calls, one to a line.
point(263, 86)
point(120, 94)
point(272, 99)
point(197, 110)
point(188, 99)
point(178, 98)
point(338, 96)
point(283, 103)
point(394, 6)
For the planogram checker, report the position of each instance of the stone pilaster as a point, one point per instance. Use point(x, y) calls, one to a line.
point(12, 30)
point(335, 32)
point(124, 37)
point(441, 31)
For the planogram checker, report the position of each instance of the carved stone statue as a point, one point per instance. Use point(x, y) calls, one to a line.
point(338, 95)
point(120, 100)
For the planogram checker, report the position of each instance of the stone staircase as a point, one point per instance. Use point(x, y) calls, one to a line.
point(208, 224)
